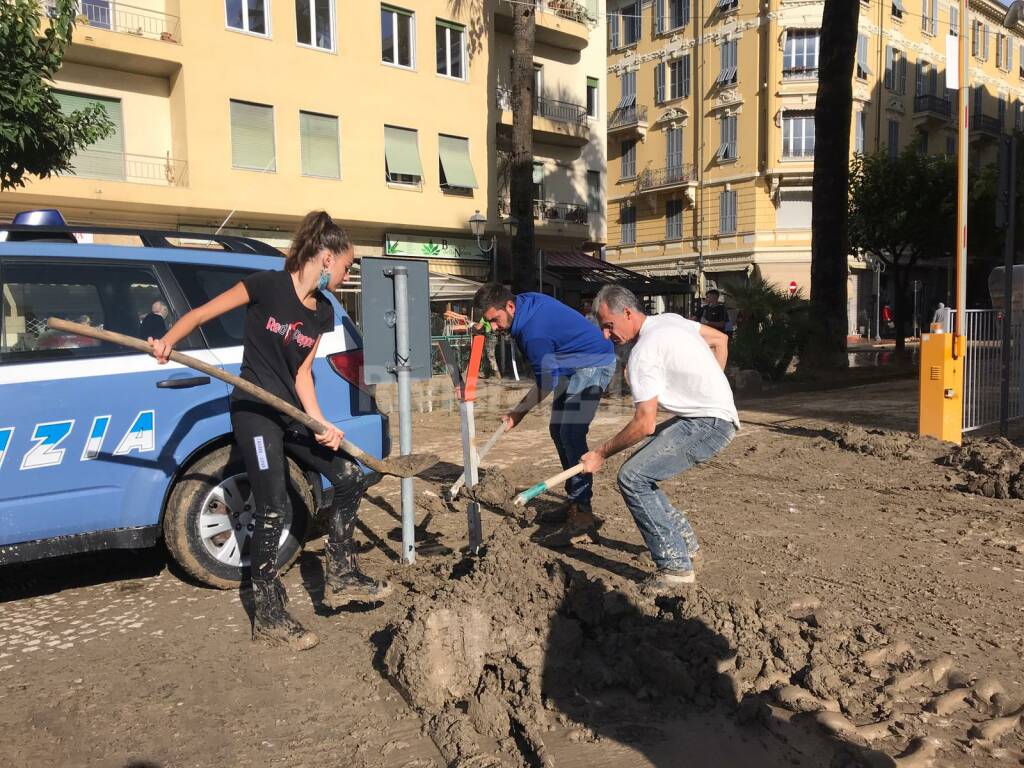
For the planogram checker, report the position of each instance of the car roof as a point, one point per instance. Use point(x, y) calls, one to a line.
point(211, 257)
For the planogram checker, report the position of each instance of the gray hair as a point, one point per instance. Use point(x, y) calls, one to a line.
point(616, 298)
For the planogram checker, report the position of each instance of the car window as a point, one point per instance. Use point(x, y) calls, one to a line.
point(123, 298)
point(200, 284)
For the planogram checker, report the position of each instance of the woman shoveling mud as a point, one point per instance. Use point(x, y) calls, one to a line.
point(286, 314)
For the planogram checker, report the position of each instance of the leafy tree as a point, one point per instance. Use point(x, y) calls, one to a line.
point(772, 329)
point(829, 237)
point(902, 209)
point(35, 136)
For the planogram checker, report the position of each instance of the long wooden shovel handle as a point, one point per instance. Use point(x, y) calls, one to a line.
point(502, 429)
point(539, 488)
point(211, 370)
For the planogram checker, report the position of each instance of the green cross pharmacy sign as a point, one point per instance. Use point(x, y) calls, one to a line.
point(426, 247)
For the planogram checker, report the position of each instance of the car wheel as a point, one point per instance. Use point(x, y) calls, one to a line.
point(208, 522)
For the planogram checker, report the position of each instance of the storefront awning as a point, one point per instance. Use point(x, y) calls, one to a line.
point(442, 287)
point(578, 271)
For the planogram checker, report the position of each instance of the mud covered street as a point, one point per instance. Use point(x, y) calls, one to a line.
point(859, 602)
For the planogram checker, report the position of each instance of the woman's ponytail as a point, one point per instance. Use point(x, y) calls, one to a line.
point(316, 233)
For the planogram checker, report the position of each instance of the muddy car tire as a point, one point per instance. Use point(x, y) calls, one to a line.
point(206, 515)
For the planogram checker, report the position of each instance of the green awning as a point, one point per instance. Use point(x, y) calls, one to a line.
point(455, 162)
point(401, 151)
point(593, 82)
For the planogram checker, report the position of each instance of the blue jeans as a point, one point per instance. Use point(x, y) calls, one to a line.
point(575, 404)
point(677, 445)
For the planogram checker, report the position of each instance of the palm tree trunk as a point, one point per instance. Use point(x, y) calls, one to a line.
point(521, 177)
point(829, 239)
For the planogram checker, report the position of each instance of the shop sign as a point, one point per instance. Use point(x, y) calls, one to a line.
point(427, 247)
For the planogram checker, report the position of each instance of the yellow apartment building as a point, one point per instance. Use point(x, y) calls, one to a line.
point(245, 114)
point(711, 128)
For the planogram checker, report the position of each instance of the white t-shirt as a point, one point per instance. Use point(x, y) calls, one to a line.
point(672, 362)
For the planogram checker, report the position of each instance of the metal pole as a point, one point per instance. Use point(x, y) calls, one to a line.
point(878, 301)
point(963, 137)
point(540, 271)
point(494, 258)
point(403, 370)
point(1008, 249)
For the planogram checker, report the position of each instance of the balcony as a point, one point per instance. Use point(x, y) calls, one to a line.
point(560, 23)
point(672, 177)
point(125, 19)
point(628, 123)
point(552, 214)
point(136, 169)
point(554, 121)
point(986, 127)
point(930, 109)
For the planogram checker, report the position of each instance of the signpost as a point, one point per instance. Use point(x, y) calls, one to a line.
point(792, 287)
point(395, 300)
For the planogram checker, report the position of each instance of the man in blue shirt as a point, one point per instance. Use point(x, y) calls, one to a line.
point(572, 360)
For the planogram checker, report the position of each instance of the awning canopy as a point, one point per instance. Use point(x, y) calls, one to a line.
point(578, 271)
point(442, 287)
point(402, 151)
point(455, 162)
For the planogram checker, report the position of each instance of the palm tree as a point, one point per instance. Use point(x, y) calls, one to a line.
point(829, 236)
point(521, 175)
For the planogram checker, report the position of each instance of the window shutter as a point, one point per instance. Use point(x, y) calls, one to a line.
point(103, 159)
point(1009, 54)
point(252, 136)
point(401, 149)
point(686, 11)
point(318, 139)
point(903, 73)
point(933, 81)
point(455, 160)
point(659, 16)
point(889, 61)
point(723, 212)
point(686, 76)
point(984, 41)
point(858, 127)
point(659, 83)
point(954, 21)
point(613, 29)
point(919, 80)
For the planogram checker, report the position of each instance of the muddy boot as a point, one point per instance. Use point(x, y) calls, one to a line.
point(561, 514)
point(580, 523)
point(668, 581)
point(344, 582)
point(271, 623)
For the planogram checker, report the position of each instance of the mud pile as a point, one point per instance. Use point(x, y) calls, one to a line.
point(518, 642)
point(886, 444)
point(993, 467)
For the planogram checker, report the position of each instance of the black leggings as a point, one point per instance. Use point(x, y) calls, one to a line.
point(265, 438)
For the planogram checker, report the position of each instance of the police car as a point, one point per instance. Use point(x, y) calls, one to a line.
point(101, 447)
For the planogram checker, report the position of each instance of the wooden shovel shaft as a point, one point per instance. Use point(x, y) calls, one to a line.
point(539, 488)
point(454, 490)
point(211, 370)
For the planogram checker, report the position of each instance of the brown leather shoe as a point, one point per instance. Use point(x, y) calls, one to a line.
point(579, 524)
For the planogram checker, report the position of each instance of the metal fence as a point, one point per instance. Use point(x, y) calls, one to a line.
point(982, 363)
point(127, 19)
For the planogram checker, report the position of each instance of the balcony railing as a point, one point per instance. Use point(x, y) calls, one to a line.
point(800, 73)
point(138, 169)
point(797, 153)
point(930, 103)
point(546, 210)
point(627, 116)
point(552, 109)
point(127, 19)
point(567, 9)
point(666, 177)
point(986, 124)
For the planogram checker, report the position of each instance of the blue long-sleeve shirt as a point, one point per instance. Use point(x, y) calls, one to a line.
point(556, 339)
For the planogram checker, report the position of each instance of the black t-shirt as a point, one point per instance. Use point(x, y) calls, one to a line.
point(713, 313)
point(280, 332)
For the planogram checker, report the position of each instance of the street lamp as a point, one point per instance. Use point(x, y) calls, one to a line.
point(477, 225)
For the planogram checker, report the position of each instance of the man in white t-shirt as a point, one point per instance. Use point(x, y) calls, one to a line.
point(677, 365)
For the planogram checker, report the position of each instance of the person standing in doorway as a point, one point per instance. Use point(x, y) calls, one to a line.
point(713, 313)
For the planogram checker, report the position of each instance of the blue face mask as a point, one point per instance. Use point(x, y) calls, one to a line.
point(323, 280)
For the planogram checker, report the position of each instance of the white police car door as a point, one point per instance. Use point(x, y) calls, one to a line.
point(87, 429)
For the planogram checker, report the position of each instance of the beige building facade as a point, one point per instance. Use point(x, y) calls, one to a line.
point(711, 128)
point(244, 115)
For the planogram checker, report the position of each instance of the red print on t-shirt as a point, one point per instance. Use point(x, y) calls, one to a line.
point(290, 331)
